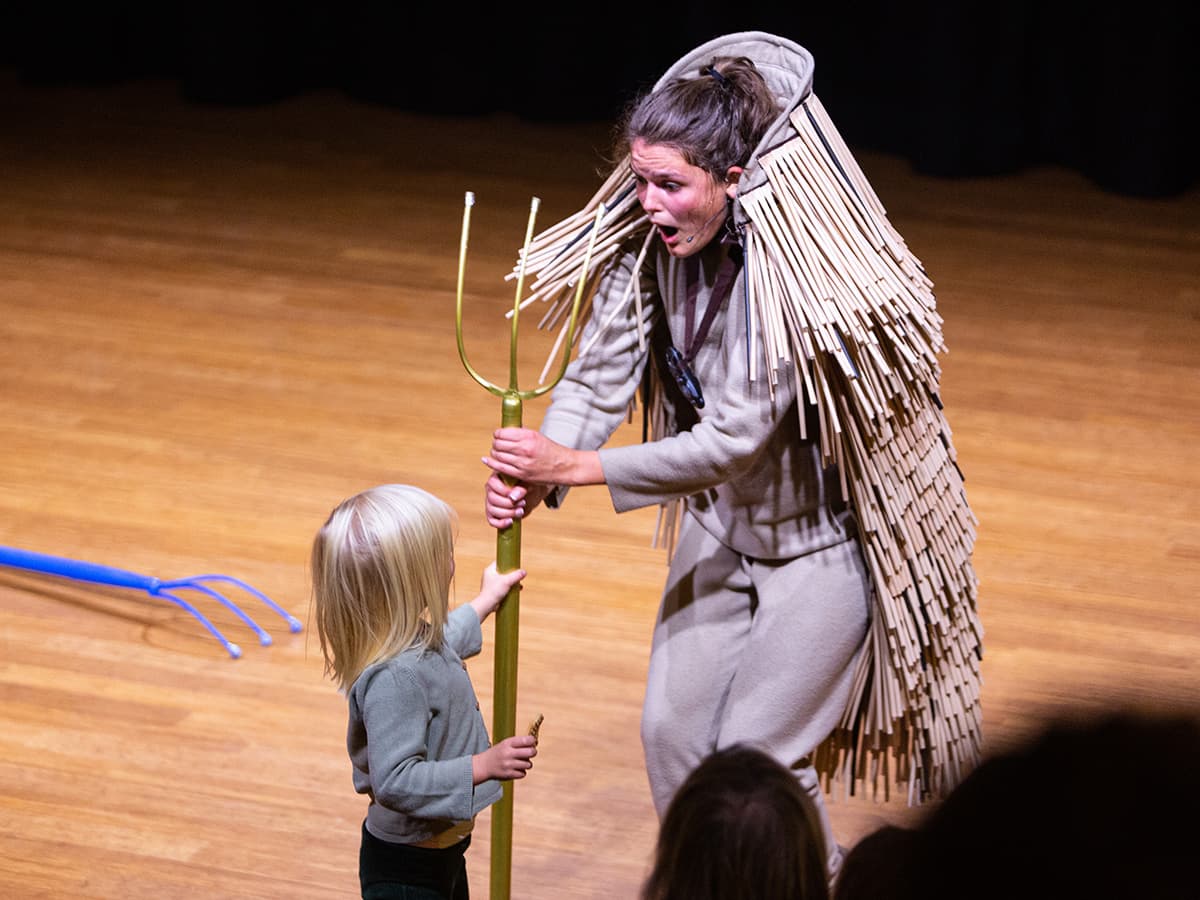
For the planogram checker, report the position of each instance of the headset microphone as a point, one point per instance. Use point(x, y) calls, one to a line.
point(720, 209)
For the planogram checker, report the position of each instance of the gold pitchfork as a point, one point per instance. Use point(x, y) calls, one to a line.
point(508, 540)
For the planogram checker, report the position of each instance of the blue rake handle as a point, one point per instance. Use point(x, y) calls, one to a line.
point(95, 573)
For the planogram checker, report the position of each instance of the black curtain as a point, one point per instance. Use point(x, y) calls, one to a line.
point(958, 89)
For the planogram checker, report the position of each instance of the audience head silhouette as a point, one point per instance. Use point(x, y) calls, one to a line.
point(1084, 808)
point(740, 826)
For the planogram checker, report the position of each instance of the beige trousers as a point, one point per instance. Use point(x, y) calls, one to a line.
point(752, 651)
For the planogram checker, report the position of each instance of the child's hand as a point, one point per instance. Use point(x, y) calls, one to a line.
point(493, 588)
point(509, 759)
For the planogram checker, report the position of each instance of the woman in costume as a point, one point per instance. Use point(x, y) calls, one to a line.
point(791, 394)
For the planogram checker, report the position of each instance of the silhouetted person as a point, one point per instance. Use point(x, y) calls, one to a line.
point(1097, 808)
point(740, 827)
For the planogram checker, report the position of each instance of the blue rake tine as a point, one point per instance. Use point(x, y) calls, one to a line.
point(263, 637)
point(294, 624)
point(234, 650)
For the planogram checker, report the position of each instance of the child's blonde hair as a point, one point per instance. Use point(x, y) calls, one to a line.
point(381, 570)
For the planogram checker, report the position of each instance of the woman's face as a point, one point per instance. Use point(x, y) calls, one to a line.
point(684, 202)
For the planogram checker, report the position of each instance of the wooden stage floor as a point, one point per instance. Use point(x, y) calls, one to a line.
point(219, 322)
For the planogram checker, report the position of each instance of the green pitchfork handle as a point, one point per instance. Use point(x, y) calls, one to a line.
point(508, 539)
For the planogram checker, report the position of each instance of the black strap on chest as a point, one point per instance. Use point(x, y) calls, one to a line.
point(727, 271)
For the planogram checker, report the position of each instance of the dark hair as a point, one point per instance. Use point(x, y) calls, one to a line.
point(1078, 809)
point(714, 121)
point(740, 825)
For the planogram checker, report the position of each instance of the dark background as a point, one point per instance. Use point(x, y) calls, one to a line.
point(958, 89)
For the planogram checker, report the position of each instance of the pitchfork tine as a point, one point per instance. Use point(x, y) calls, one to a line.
point(513, 391)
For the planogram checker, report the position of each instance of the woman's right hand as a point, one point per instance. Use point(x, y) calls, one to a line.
point(503, 503)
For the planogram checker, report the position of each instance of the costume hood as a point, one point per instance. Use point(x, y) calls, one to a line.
point(786, 67)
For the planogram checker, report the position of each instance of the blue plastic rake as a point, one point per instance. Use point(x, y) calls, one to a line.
point(94, 573)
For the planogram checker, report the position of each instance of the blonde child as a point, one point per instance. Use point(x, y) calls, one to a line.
point(381, 566)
